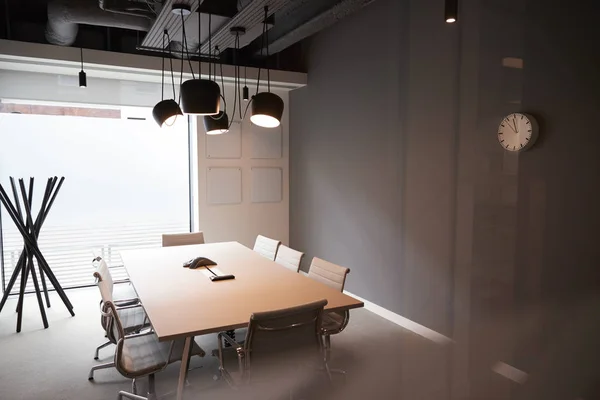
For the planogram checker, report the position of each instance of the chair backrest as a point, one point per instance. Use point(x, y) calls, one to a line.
point(103, 279)
point(182, 239)
point(266, 247)
point(289, 258)
point(112, 323)
point(125, 361)
point(284, 338)
point(330, 274)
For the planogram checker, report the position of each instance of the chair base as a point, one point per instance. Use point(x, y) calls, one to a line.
point(100, 366)
point(127, 395)
point(97, 353)
point(134, 396)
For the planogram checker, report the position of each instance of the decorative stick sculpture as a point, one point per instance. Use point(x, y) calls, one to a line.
point(30, 230)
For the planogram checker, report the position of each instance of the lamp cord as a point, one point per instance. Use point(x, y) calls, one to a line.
point(238, 75)
point(171, 63)
point(180, 76)
point(184, 44)
point(267, 59)
point(200, 44)
point(162, 86)
point(262, 45)
point(210, 49)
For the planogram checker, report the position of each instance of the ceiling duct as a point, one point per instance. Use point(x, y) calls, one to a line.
point(249, 17)
point(317, 23)
point(64, 17)
point(139, 8)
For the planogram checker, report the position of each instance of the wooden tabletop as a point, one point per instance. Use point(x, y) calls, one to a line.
point(181, 302)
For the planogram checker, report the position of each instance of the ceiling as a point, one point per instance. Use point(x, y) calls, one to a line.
point(137, 26)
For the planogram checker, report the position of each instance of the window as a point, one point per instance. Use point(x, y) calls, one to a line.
point(126, 183)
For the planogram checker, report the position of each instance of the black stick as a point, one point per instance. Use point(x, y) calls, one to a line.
point(45, 266)
point(28, 201)
point(25, 269)
point(49, 185)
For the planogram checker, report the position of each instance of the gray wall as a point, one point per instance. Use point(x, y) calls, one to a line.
point(396, 173)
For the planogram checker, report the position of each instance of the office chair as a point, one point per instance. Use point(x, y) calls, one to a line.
point(266, 247)
point(289, 258)
point(141, 355)
point(278, 347)
point(334, 322)
point(182, 239)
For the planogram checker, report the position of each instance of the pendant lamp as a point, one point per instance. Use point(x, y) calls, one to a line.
point(165, 112)
point(267, 107)
point(217, 124)
point(198, 96)
point(82, 75)
point(451, 11)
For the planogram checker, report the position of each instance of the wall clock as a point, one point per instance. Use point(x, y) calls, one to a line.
point(517, 132)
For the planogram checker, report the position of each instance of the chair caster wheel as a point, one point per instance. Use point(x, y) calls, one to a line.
point(96, 358)
point(91, 378)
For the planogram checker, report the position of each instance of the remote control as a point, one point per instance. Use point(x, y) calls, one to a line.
point(221, 277)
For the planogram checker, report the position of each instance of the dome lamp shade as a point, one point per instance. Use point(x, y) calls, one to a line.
point(165, 112)
point(216, 125)
point(267, 110)
point(200, 97)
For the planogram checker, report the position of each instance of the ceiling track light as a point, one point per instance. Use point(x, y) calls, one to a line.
point(198, 96)
point(267, 107)
point(451, 11)
point(82, 75)
point(165, 112)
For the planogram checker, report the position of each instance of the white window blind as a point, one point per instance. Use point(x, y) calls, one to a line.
point(126, 183)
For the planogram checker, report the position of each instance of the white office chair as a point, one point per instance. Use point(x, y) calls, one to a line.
point(132, 316)
point(140, 355)
point(334, 322)
point(182, 239)
point(266, 247)
point(289, 258)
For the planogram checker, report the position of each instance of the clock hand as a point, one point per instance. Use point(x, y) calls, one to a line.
point(508, 123)
point(515, 124)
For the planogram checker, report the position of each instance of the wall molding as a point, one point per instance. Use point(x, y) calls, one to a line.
point(404, 322)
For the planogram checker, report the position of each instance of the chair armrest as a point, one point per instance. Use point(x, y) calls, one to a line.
point(136, 335)
point(105, 314)
point(340, 327)
point(126, 302)
point(129, 306)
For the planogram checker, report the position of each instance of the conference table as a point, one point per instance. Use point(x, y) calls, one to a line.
point(182, 303)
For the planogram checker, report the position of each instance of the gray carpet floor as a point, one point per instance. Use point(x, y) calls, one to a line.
point(382, 360)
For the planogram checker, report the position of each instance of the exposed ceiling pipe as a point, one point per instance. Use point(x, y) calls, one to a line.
point(64, 17)
point(139, 9)
point(316, 24)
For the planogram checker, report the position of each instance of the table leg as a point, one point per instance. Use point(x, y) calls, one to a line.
point(185, 365)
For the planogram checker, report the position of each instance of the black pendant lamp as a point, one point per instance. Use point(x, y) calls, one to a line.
point(165, 112)
point(267, 107)
point(198, 96)
point(451, 11)
point(82, 75)
point(217, 124)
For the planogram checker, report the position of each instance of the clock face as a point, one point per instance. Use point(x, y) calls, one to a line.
point(517, 132)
